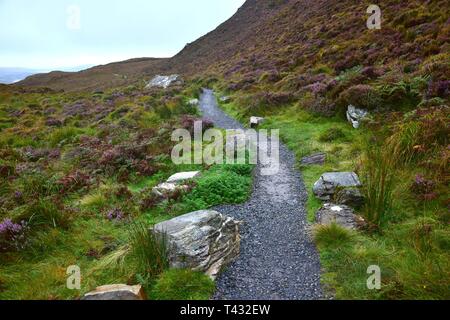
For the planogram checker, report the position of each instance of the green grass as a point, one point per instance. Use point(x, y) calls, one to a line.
point(183, 285)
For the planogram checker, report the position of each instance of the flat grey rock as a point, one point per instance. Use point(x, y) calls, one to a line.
point(116, 292)
point(183, 176)
point(329, 183)
point(342, 215)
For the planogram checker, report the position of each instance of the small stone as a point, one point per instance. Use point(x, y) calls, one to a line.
point(256, 121)
point(166, 189)
point(225, 99)
point(317, 158)
point(350, 196)
point(116, 292)
point(193, 102)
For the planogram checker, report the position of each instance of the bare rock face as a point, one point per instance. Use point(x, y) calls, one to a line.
point(204, 241)
point(164, 81)
point(331, 182)
point(342, 215)
point(116, 292)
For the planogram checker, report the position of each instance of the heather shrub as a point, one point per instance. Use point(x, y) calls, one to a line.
point(360, 96)
point(12, 235)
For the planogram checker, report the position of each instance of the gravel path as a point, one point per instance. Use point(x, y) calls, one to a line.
point(278, 260)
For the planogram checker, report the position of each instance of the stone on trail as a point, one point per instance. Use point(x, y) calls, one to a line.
point(165, 81)
point(355, 116)
point(183, 176)
point(331, 182)
point(116, 292)
point(342, 215)
point(204, 241)
point(256, 121)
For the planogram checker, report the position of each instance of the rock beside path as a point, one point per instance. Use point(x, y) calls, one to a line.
point(342, 215)
point(205, 241)
point(116, 292)
point(331, 182)
point(355, 116)
point(317, 158)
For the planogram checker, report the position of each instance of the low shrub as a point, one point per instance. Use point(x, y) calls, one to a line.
point(332, 235)
point(332, 134)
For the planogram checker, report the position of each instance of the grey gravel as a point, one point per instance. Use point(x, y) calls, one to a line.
point(278, 260)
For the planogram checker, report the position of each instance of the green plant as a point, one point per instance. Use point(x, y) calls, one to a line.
point(148, 250)
point(378, 182)
point(332, 134)
point(332, 235)
point(183, 285)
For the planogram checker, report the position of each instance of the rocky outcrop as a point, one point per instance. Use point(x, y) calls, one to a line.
point(331, 182)
point(116, 292)
point(342, 215)
point(165, 81)
point(205, 241)
point(355, 116)
point(317, 158)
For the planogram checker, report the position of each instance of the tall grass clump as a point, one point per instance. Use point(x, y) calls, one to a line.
point(149, 251)
point(332, 235)
point(378, 176)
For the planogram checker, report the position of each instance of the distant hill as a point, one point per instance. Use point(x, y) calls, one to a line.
point(283, 39)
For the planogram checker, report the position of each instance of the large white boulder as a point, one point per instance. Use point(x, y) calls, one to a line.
point(204, 241)
point(164, 81)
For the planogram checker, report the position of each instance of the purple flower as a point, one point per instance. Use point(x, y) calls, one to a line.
point(12, 235)
point(115, 214)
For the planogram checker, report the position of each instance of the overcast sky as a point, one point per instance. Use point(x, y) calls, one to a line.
point(51, 34)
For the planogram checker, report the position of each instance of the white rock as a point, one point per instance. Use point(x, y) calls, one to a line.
point(225, 99)
point(164, 189)
point(256, 121)
point(116, 292)
point(164, 81)
point(204, 241)
point(183, 176)
point(355, 115)
point(194, 102)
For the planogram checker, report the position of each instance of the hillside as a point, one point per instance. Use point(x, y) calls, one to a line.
point(82, 152)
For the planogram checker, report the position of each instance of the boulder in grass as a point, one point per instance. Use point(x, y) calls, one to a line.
point(193, 102)
point(204, 241)
point(165, 190)
point(116, 292)
point(342, 215)
point(225, 99)
point(183, 176)
point(349, 196)
point(355, 116)
point(331, 182)
point(256, 121)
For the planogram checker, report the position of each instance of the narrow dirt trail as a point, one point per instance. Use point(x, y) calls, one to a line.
point(278, 260)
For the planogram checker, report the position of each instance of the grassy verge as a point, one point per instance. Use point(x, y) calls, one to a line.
point(411, 244)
